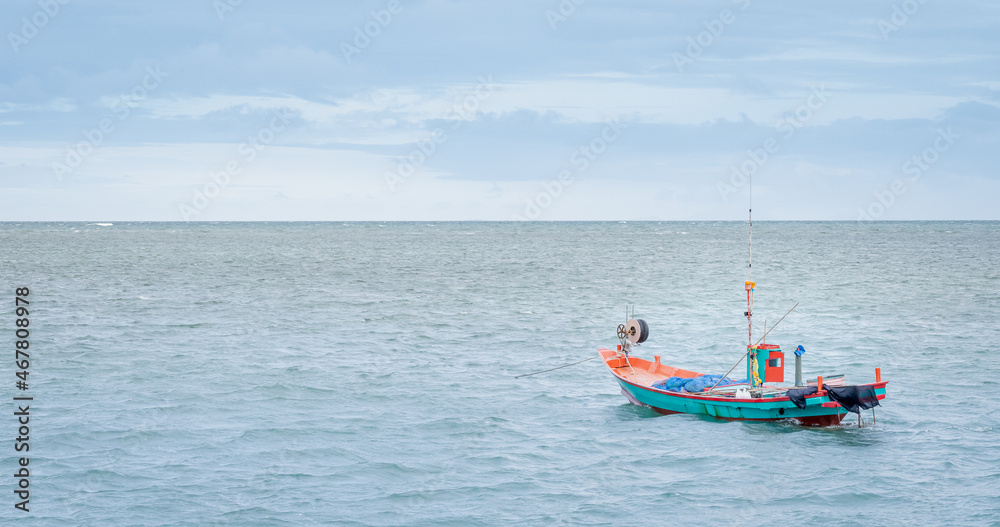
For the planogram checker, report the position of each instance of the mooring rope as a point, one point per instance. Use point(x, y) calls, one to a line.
point(553, 369)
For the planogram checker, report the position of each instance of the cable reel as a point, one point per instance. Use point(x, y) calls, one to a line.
point(635, 331)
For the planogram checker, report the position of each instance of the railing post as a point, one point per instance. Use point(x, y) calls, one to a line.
point(798, 370)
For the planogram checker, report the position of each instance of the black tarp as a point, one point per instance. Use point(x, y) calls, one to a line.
point(798, 395)
point(854, 398)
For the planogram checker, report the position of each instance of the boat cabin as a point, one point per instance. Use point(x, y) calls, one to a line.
point(770, 363)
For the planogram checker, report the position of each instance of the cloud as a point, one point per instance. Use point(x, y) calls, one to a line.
point(551, 92)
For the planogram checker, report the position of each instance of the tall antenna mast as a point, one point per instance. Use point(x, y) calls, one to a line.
point(749, 284)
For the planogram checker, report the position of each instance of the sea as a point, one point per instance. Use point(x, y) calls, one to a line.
point(366, 374)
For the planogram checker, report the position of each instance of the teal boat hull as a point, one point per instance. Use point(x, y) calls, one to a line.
point(820, 410)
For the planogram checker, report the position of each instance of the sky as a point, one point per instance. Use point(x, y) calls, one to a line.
point(435, 110)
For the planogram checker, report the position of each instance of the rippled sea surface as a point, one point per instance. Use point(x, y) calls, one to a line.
point(363, 373)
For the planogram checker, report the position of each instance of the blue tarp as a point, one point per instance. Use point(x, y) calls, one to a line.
point(694, 384)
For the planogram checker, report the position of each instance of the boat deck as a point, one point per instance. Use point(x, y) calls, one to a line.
point(644, 373)
point(639, 376)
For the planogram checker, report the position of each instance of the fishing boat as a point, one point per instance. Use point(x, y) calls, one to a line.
point(643, 383)
point(762, 396)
